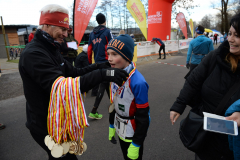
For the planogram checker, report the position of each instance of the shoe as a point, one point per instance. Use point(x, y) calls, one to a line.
point(95, 116)
point(164, 58)
point(159, 58)
point(2, 126)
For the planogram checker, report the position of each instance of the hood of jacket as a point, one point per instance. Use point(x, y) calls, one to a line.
point(99, 30)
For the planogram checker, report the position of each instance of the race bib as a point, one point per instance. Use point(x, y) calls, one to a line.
point(120, 126)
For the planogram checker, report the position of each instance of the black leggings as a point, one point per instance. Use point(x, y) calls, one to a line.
point(162, 48)
point(124, 147)
point(39, 138)
point(214, 41)
point(102, 87)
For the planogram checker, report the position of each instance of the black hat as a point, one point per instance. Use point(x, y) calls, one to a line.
point(34, 29)
point(100, 18)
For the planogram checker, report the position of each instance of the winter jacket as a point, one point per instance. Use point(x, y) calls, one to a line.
point(98, 41)
point(30, 37)
point(234, 141)
point(198, 48)
point(81, 60)
point(72, 53)
point(158, 40)
point(40, 65)
point(212, 87)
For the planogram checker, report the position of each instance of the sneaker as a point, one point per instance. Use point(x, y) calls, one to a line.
point(159, 58)
point(164, 58)
point(2, 126)
point(95, 116)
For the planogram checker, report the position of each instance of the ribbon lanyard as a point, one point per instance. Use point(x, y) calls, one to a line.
point(66, 114)
point(112, 95)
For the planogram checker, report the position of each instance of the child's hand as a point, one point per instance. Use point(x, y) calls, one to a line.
point(235, 117)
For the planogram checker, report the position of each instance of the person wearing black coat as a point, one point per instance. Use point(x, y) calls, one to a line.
point(212, 88)
point(82, 59)
point(41, 64)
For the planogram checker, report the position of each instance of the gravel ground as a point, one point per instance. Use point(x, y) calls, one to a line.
point(11, 86)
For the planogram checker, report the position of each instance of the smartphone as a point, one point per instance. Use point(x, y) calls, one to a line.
point(220, 126)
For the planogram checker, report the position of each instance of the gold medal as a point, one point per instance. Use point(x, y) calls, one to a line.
point(66, 147)
point(50, 144)
point(46, 139)
point(111, 108)
point(84, 147)
point(57, 151)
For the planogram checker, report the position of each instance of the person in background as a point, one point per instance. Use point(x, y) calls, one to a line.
point(132, 36)
point(198, 48)
point(215, 38)
point(121, 32)
point(225, 36)
point(16, 53)
point(72, 54)
point(212, 88)
point(82, 59)
point(11, 53)
point(98, 41)
point(162, 46)
point(31, 35)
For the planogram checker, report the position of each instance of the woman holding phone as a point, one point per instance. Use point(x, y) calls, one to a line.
point(213, 87)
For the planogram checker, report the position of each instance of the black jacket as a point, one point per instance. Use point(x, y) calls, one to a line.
point(213, 87)
point(40, 65)
point(81, 60)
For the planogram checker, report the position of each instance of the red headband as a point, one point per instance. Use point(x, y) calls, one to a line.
point(56, 19)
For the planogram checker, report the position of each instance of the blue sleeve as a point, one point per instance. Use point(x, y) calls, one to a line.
point(211, 48)
point(140, 92)
point(189, 53)
point(235, 107)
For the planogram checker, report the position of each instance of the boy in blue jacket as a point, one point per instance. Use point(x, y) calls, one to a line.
point(131, 116)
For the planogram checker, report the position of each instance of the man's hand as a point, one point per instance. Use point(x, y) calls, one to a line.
point(174, 116)
point(188, 65)
point(235, 117)
point(103, 65)
point(114, 75)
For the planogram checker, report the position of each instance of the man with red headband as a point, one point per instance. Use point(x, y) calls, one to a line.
point(41, 64)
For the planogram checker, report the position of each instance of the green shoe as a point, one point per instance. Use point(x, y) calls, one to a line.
point(95, 116)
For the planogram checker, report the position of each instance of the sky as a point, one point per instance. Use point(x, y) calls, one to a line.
point(27, 11)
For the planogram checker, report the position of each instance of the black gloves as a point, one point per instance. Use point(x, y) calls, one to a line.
point(103, 65)
point(188, 65)
point(114, 75)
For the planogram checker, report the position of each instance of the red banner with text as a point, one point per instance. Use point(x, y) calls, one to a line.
point(182, 23)
point(83, 10)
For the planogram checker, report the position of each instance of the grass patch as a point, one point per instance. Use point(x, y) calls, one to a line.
point(13, 61)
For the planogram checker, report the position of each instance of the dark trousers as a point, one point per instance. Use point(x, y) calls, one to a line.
point(95, 90)
point(214, 41)
point(162, 48)
point(124, 147)
point(39, 138)
point(102, 87)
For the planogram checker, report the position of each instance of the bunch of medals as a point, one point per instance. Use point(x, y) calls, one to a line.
point(66, 118)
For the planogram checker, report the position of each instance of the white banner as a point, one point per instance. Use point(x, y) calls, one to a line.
point(184, 43)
